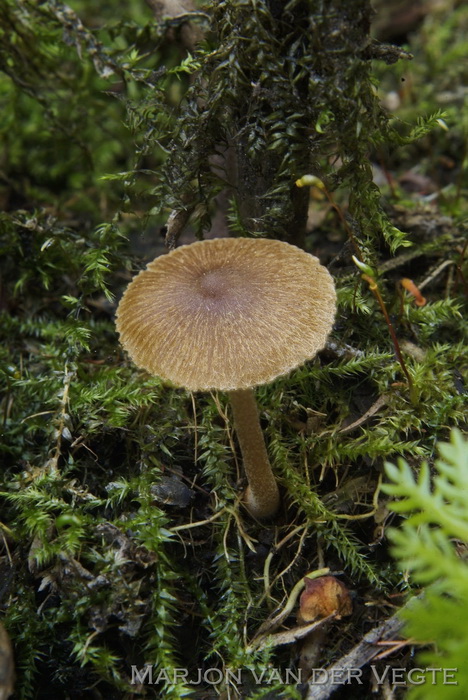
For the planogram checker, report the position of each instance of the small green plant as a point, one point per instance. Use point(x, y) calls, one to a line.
point(110, 129)
point(432, 546)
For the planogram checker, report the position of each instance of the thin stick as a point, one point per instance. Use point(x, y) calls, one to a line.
point(199, 523)
point(368, 648)
point(176, 222)
point(276, 620)
point(376, 292)
point(195, 428)
point(268, 559)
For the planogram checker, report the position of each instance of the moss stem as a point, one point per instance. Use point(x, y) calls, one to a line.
point(262, 495)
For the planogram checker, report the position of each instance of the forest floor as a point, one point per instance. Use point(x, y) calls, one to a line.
point(124, 545)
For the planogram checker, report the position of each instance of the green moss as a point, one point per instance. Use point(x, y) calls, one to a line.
point(108, 126)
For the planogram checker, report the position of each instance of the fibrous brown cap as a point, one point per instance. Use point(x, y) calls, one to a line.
point(322, 597)
point(227, 313)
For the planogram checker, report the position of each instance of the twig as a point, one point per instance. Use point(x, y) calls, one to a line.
point(376, 292)
point(370, 513)
point(199, 523)
point(435, 273)
point(276, 620)
point(248, 540)
point(175, 224)
point(400, 260)
point(290, 564)
point(288, 636)
point(266, 566)
point(381, 401)
point(369, 648)
point(195, 428)
point(392, 646)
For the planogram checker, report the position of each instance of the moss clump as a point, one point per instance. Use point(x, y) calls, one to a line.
point(122, 535)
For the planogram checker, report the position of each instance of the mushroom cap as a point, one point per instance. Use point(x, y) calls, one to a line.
point(227, 313)
point(322, 597)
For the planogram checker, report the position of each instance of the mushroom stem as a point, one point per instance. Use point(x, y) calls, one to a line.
point(262, 495)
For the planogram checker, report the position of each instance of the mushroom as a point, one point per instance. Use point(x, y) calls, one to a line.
point(323, 598)
point(230, 314)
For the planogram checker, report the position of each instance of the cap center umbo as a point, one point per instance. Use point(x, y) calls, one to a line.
point(226, 290)
point(213, 284)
